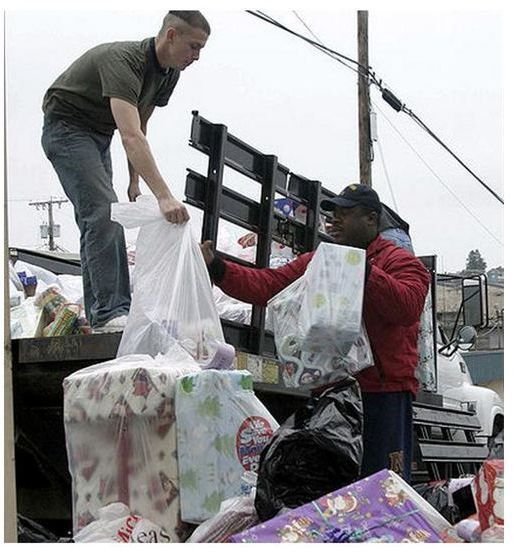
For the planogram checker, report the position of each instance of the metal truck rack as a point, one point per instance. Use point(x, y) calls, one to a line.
point(445, 438)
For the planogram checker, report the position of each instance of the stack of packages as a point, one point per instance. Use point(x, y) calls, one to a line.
point(58, 315)
point(123, 417)
point(317, 320)
point(378, 508)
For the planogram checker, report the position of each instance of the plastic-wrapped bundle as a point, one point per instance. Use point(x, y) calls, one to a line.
point(119, 420)
point(299, 366)
point(378, 508)
point(222, 428)
point(172, 300)
point(331, 310)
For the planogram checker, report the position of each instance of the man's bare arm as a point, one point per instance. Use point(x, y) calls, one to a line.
point(140, 157)
point(133, 188)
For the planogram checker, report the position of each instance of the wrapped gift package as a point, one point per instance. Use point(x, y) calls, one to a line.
point(222, 428)
point(331, 310)
point(378, 508)
point(488, 493)
point(299, 365)
point(119, 420)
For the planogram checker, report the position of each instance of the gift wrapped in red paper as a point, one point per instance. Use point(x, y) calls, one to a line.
point(488, 493)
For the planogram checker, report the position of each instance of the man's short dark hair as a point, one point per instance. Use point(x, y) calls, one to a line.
point(193, 18)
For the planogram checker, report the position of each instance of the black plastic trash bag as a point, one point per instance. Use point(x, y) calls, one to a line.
point(30, 531)
point(315, 451)
point(436, 494)
point(496, 446)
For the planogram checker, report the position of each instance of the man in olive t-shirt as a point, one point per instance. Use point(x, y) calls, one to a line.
point(115, 86)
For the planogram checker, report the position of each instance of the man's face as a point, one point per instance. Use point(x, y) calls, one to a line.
point(184, 47)
point(353, 226)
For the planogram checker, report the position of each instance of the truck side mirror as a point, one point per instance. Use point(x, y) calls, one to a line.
point(474, 301)
point(466, 337)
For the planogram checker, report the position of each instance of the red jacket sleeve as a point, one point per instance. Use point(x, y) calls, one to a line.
point(396, 291)
point(258, 285)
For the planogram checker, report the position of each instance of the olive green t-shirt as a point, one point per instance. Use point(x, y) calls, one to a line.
point(126, 70)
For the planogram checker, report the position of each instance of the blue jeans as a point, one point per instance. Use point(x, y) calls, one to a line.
point(387, 436)
point(82, 160)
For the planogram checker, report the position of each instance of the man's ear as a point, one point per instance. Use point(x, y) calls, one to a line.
point(171, 33)
point(373, 217)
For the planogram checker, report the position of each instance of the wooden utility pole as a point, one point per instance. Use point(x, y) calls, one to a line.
point(364, 117)
point(51, 225)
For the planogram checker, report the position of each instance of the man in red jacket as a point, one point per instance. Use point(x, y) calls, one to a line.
point(396, 284)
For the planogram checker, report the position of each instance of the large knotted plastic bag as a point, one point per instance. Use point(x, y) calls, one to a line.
point(315, 451)
point(172, 299)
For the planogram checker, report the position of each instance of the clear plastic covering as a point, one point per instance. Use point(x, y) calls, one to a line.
point(119, 420)
point(222, 427)
point(172, 299)
point(236, 514)
point(426, 370)
point(331, 310)
point(301, 367)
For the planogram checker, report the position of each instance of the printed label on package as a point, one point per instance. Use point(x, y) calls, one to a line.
point(252, 436)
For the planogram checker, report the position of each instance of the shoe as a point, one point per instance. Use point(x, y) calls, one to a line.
point(114, 325)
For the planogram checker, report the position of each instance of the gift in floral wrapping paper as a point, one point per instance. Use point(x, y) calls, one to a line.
point(379, 508)
point(221, 429)
point(121, 438)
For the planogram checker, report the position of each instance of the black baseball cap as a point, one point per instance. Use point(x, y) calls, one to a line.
point(352, 196)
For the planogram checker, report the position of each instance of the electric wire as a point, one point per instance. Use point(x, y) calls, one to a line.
point(387, 174)
point(417, 120)
point(361, 69)
point(369, 73)
point(409, 112)
point(437, 176)
point(322, 48)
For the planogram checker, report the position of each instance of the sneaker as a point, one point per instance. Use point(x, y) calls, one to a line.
point(114, 325)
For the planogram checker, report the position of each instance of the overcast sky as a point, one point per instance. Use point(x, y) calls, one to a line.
point(285, 98)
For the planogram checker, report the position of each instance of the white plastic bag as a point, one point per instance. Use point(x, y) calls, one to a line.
point(236, 514)
point(222, 427)
point(172, 299)
point(302, 367)
point(331, 310)
point(25, 319)
point(116, 523)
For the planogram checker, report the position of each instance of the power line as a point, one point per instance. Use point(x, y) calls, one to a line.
point(439, 141)
point(387, 95)
point(319, 46)
point(322, 49)
point(437, 176)
point(387, 174)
